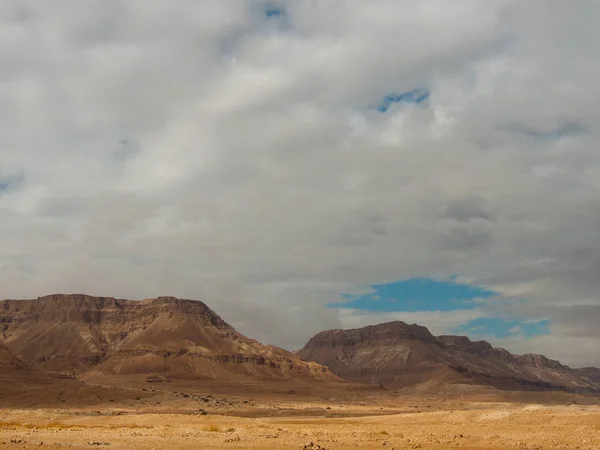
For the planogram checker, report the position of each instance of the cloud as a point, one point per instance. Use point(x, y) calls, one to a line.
point(10, 181)
point(467, 209)
point(260, 177)
point(496, 327)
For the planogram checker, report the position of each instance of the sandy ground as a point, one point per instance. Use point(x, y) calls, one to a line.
point(180, 422)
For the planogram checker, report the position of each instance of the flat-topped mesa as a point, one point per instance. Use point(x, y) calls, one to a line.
point(80, 333)
point(386, 333)
point(78, 308)
point(59, 305)
point(198, 309)
point(62, 308)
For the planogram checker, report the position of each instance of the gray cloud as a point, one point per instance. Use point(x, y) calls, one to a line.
point(465, 209)
point(257, 174)
point(10, 181)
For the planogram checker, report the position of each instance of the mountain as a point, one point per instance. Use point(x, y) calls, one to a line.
point(166, 336)
point(7, 359)
point(14, 375)
point(24, 383)
point(397, 355)
point(590, 373)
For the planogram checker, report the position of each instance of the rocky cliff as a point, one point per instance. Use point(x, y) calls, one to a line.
point(396, 354)
point(81, 334)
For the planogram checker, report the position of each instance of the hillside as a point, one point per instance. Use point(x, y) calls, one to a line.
point(590, 373)
point(97, 336)
point(22, 385)
point(398, 355)
point(7, 359)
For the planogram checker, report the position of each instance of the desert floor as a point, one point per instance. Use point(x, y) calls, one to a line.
point(175, 420)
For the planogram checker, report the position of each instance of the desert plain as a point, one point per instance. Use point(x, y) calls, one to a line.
point(179, 416)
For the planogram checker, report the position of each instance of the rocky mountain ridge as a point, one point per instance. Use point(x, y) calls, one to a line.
point(87, 335)
point(93, 338)
point(396, 354)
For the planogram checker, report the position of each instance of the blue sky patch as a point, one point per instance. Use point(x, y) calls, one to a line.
point(415, 96)
point(418, 294)
point(10, 182)
point(273, 12)
point(504, 328)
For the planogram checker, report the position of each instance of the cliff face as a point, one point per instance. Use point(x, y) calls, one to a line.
point(396, 354)
point(165, 335)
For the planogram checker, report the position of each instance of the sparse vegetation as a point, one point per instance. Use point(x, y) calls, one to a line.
point(65, 426)
point(213, 428)
point(10, 424)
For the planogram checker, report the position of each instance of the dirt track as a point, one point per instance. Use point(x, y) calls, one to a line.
point(473, 426)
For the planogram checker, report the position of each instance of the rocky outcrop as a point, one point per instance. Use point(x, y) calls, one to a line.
point(80, 334)
point(396, 354)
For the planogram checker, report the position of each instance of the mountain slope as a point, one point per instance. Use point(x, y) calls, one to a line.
point(7, 359)
point(396, 354)
point(162, 336)
point(590, 373)
point(18, 380)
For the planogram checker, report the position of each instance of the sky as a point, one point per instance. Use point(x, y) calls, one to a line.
point(307, 165)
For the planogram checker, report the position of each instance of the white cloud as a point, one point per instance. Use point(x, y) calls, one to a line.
point(261, 179)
